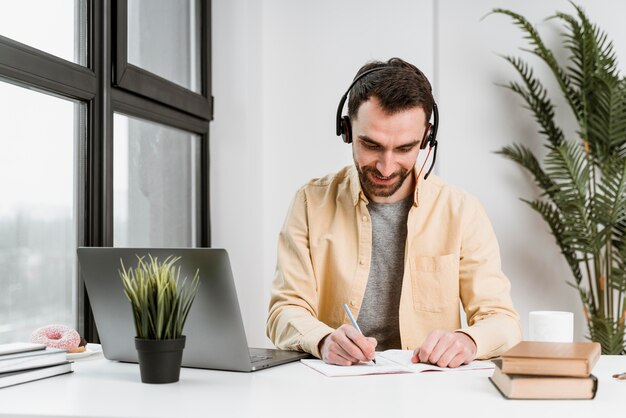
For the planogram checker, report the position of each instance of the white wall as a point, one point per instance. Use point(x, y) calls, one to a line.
point(237, 146)
point(279, 69)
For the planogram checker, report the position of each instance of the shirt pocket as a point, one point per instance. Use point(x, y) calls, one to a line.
point(435, 282)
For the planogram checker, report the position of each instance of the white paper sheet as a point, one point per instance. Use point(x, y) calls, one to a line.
point(390, 361)
point(403, 357)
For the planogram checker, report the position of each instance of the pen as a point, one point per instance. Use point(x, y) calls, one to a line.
point(345, 308)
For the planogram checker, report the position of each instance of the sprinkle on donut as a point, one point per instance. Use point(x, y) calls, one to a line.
point(56, 336)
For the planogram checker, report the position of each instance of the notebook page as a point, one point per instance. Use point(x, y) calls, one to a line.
point(382, 366)
point(403, 357)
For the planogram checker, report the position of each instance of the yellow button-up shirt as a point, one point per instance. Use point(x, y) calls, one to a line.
point(451, 254)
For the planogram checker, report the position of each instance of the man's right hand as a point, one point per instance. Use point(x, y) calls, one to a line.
point(346, 346)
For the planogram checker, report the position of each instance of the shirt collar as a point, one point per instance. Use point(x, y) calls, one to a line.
point(357, 191)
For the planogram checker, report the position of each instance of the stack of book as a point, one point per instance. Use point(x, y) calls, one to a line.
point(25, 362)
point(544, 370)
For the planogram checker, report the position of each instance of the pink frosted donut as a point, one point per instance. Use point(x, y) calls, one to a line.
point(56, 336)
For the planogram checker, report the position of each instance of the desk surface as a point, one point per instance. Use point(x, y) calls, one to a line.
point(101, 388)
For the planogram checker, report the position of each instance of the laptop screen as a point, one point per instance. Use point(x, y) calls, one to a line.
point(215, 336)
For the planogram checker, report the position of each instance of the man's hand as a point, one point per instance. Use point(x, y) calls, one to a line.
point(346, 346)
point(446, 349)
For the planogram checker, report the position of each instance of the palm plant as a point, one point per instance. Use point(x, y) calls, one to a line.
point(160, 303)
point(582, 179)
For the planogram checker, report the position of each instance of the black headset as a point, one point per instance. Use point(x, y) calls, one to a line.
point(344, 126)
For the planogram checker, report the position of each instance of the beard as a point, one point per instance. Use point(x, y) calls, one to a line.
point(371, 188)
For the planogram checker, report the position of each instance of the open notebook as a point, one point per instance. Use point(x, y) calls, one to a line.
point(390, 361)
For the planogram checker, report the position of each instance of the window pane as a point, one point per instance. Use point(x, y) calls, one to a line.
point(57, 27)
point(156, 173)
point(38, 138)
point(164, 38)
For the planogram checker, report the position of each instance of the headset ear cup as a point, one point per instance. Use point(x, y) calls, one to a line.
point(428, 137)
point(346, 131)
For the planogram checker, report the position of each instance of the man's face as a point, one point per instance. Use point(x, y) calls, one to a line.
point(385, 149)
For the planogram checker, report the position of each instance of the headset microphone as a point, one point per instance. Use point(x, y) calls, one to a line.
point(432, 138)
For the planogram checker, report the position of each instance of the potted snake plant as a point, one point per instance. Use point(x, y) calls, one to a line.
point(160, 303)
point(582, 178)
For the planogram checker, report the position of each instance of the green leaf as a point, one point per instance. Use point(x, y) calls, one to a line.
point(536, 97)
point(159, 304)
point(540, 50)
point(554, 220)
point(525, 158)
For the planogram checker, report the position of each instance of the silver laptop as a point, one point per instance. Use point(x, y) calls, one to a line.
point(215, 334)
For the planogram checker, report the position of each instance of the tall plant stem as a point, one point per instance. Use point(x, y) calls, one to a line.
point(597, 262)
point(600, 285)
point(592, 278)
point(609, 288)
point(621, 307)
point(594, 305)
point(591, 189)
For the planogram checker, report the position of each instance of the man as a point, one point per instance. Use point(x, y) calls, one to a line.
point(399, 250)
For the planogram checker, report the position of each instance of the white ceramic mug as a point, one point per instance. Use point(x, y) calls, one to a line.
point(552, 326)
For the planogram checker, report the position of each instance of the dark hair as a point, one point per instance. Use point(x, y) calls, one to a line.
point(401, 86)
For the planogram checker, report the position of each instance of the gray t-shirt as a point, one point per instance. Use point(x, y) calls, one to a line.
point(379, 314)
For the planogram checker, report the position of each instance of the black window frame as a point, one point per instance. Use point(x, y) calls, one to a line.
point(137, 80)
point(104, 95)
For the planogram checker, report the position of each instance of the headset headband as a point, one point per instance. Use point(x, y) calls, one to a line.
point(345, 96)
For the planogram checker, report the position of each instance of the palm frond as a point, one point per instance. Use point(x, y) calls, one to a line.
point(536, 97)
point(610, 200)
point(567, 167)
point(606, 125)
point(596, 50)
point(559, 230)
point(618, 272)
point(545, 54)
point(619, 236)
point(593, 71)
point(609, 334)
point(586, 297)
point(523, 156)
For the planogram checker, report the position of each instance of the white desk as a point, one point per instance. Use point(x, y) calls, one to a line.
point(100, 388)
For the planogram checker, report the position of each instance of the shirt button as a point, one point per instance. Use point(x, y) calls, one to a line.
point(352, 303)
point(361, 261)
point(364, 218)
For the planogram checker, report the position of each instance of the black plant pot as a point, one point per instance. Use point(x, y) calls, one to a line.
point(160, 360)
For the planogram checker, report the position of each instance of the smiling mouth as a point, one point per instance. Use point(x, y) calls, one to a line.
point(383, 180)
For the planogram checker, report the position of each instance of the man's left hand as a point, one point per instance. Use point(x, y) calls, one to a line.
point(446, 349)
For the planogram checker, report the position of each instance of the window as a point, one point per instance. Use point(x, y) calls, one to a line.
point(37, 227)
point(56, 27)
point(163, 38)
point(156, 173)
point(149, 59)
point(96, 133)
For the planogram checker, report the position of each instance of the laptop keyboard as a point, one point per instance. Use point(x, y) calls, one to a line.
point(255, 359)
